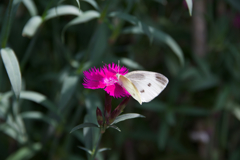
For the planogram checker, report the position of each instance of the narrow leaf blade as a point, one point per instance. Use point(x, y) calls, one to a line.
point(62, 10)
point(160, 36)
point(163, 135)
point(13, 70)
point(124, 16)
point(38, 98)
point(190, 5)
point(84, 125)
point(103, 149)
point(84, 17)
point(38, 116)
point(85, 149)
point(124, 117)
point(115, 127)
point(31, 27)
point(69, 85)
point(25, 152)
point(8, 130)
point(170, 42)
point(30, 5)
point(93, 3)
point(78, 3)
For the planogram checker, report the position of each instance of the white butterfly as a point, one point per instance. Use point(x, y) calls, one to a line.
point(143, 86)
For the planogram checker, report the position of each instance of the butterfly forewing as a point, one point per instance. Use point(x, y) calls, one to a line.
point(148, 84)
point(128, 85)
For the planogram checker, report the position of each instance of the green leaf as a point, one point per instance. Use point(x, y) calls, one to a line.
point(85, 149)
point(190, 5)
point(38, 116)
point(84, 17)
point(146, 29)
point(69, 86)
point(62, 10)
point(114, 127)
point(30, 5)
point(13, 70)
point(127, 116)
point(125, 17)
point(161, 36)
point(99, 42)
point(5, 103)
point(103, 149)
point(130, 63)
point(203, 83)
point(38, 98)
point(11, 132)
point(163, 135)
point(170, 118)
point(84, 125)
point(150, 32)
point(7, 22)
point(78, 3)
point(236, 112)
point(32, 26)
point(235, 108)
point(93, 3)
point(25, 153)
point(222, 98)
point(92, 101)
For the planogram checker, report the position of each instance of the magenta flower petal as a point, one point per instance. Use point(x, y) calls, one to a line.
point(106, 77)
point(116, 91)
point(93, 79)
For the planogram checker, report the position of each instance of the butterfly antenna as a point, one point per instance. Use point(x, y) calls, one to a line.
point(105, 64)
point(118, 66)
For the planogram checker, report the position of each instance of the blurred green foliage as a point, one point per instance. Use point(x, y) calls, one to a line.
point(196, 117)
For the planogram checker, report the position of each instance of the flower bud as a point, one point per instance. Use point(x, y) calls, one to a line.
point(118, 110)
point(99, 116)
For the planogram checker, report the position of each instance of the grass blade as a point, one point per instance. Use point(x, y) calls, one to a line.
point(13, 70)
point(31, 27)
point(127, 116)
point(84, 125)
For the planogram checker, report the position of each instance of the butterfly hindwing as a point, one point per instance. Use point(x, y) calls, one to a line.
point(130, 87)
point(148, 84)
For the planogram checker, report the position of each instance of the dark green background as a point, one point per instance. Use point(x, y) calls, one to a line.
point(202, 97)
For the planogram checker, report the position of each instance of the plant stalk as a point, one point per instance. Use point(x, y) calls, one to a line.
point(95, 150)
point(4, 36)
point(6, 26)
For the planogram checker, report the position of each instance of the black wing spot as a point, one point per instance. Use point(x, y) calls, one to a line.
point(136, 76)
point(149, 84)
point(142, 91)
point(161, 79)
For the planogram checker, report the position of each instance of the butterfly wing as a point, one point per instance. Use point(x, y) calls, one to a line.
point(149, 84)
point(130, 87)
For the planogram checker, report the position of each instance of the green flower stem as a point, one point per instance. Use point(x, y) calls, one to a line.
point(29, 51)
point(4, 37)
point(95, 150)
point(1, 75)
point(104, 12)
point(6, 26)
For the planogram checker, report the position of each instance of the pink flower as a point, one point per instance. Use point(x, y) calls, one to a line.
point(106, 78)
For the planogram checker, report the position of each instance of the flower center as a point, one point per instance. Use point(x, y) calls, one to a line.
point(109, 81)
